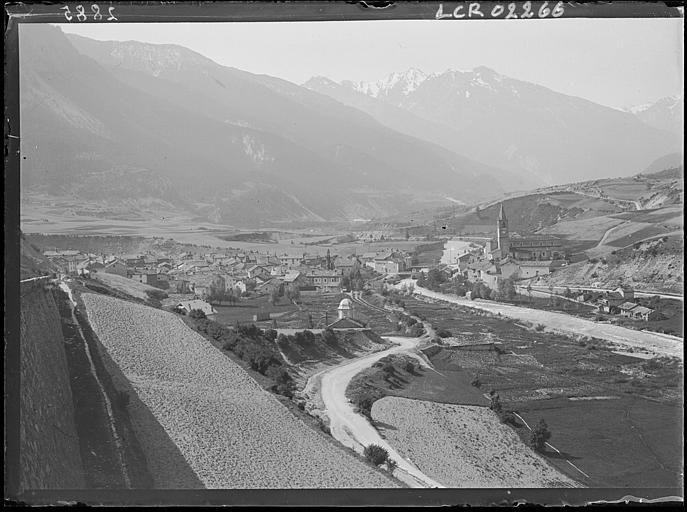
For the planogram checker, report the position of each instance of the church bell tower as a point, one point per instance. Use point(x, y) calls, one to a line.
point(502, 237)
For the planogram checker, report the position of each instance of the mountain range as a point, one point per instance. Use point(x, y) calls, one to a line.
point(664, 114)
point(238, 147)
point(538, 134)
point(130, 123)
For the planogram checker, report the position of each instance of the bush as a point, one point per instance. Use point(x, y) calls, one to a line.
point(539, 327)
point(475, 382)
point(376, 454)
point(508, 417)
point(540, 436)
point(156, 294)
point(364, 401)
point(444, 333)
point(197, 313)
point(329, 337)
point(495, 404)
point(270, 334)
point(284, 384)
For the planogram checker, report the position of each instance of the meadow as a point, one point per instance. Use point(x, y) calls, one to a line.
point(565, 381)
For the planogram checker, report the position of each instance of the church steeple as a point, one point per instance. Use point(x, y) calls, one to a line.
point(502, 236)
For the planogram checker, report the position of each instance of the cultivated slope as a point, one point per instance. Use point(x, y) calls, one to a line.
point(230, 432)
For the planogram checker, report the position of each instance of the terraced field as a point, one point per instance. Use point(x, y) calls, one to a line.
point(229, 432)
point(462, 446)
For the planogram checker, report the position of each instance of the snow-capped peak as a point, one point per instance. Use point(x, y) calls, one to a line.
point(407, 81)
point(668, 102)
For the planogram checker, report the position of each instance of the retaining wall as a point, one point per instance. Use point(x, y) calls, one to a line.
point(49, 446)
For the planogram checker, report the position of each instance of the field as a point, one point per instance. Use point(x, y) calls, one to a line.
point(583, 229)
point(628, 442)
point(126, 285)
point(245, 308)
point(462, 446)
point(450, 385)
point(531, 370)
point(228, 431)
point(322, 308)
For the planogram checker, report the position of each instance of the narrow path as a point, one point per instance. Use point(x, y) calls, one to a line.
point(605, 236)
point(354, 430)
point(569, 324)
point(101, 388)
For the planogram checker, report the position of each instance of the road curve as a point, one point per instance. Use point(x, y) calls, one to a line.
point(570, 324)
point(354, 430)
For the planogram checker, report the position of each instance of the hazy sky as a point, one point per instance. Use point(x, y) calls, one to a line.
point(615, 62)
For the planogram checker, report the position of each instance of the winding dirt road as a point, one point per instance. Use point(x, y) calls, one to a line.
point(354, 430)
point(565, 323)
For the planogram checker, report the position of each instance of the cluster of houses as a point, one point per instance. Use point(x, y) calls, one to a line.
point(620, 301)
point(232, 272)
point(508, 255)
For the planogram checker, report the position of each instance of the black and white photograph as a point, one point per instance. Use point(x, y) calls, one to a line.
point(437, 252)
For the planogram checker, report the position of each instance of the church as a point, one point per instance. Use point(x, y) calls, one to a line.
point(519, 248)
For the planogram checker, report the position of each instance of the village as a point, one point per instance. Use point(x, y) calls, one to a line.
point(509, 264)
point(502, 267)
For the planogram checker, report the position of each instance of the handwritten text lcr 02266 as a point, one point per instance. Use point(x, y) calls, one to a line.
point(82, 14)
point(507, 11)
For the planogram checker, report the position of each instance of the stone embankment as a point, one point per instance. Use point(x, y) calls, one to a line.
point(49, 447)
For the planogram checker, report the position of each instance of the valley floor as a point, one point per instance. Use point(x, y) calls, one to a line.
point(655, 343)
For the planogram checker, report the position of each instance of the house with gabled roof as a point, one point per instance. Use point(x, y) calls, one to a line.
point(626, 309)
point(116, 266)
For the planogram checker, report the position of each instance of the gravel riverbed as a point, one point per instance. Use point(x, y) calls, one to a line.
point(229, 431)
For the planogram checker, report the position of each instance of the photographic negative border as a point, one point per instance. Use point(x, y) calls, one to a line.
point(143, 12)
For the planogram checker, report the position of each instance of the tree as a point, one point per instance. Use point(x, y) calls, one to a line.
point(540, 436)
point(376, 454)
point(507, 289)
point(293, 293)
point(495, 403)
point(274, 296)
point(329, 337)
point(197, 313)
